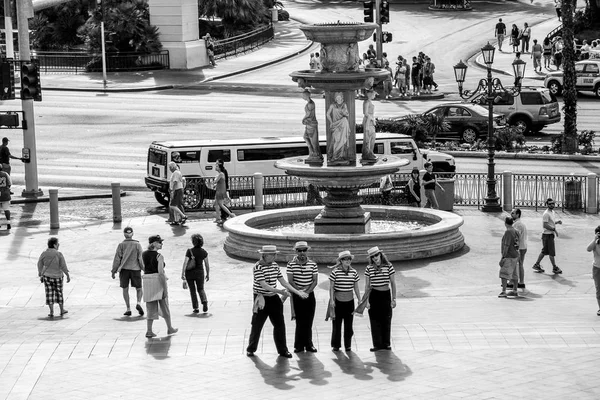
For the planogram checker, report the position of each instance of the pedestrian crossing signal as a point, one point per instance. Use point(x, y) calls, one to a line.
point(384, 12)
point(31, 87)
point(386, 37)
point(7, 81)
point(368, 11)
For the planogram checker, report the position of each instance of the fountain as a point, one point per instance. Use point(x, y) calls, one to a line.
point(343, 223)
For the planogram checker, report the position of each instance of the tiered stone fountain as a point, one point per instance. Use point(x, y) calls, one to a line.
point(343, 224)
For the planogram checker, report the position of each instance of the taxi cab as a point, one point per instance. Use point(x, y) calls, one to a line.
point(588, 78)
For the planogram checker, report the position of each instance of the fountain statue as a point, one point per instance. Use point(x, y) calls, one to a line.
point(343, 223)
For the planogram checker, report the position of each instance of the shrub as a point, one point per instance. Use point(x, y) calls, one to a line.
point(507, 137)
point(585, 142)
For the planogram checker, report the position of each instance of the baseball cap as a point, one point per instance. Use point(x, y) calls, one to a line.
point(128, 230)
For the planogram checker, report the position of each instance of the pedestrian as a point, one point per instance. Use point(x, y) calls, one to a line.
point(312, 63)
point(407, 76)
point(400, 78)
point(221, 164)
point(343, 281)
point(220, 187)
point(525, 35)
point(313, 197)
point(267, 303)
point(549, 222)
point(547, 52)
point(193, 272)
point(522, 231)
point(514, 38)
point(558, 8)
point(415, 71)
point(155, 286)
point(557, 52)
point(371, 52)
point(128, 263)
point(585, 50)
point(499, 32)
point(387, 83)
point(384, 59)
point(303, 275)
point(176, 186)
point(536, 54)
point(510, 259)
point(429, 184)
point(51, 269)
point(594, 247)
point(517, 79)
point(380, 290)
point(386, 186)
point(5, 184)
point(210, 49)
point(428, 70)
point(414, 188)
point(5, 156)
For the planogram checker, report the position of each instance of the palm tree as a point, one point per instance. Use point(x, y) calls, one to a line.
point(237, 15)
point(570, 144)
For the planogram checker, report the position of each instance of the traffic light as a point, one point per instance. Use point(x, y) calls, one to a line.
point(368, 11)
point(7, 81)
point(384, 12)
point(386, 37)
point(31, 87)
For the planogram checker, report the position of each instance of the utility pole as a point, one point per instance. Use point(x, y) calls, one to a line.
point(378, 32)
point(8, 29)
point(25, 11)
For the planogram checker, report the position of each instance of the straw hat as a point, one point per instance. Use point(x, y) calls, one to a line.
point(344, 254)
point(301, 245)
point(373, 251)
point(268, 249)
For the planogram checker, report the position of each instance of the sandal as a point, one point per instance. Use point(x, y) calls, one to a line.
point(150, 334)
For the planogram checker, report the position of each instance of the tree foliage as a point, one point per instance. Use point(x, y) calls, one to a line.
point(236, 15)
point(56, 27)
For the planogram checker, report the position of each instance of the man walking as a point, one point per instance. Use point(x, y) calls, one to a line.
point(522, 231)
point(176, 186)
point(5, 156)
point(429, 183)
point(499, 33)
point(594, 246)
point(128, 263)
point(510, 258)
point(5, 184)
point(549, 223)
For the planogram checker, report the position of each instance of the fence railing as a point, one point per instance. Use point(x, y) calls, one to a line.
point(79, 62)
point(242, 43)
point(527, 190)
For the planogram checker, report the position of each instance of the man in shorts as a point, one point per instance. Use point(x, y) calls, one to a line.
point(128, 263)
point(5, 184)
point(522, 231)
point(510, 259)
point(499, 32)
point(549, 223)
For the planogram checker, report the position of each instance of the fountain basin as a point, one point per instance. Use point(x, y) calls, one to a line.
point(347, 32)
point(442, 236)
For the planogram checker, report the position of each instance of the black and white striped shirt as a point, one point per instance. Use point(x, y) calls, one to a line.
point(303, 275)
point(268, 273)
point(343, 281)
point(380, 277)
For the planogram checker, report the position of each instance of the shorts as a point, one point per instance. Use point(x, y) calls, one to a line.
point(129, 275)
point(177, 198)
point(548, 244)
point(5, 205)
point(508, 269)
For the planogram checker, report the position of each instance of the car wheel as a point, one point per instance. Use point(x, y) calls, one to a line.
point(469, 135)
point(597, 90)
point(193, 195)
point(522, 124)
point(555, 87)
point(162, 198)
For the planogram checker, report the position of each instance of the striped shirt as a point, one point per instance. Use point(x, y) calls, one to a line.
point(303, 275)
point(380, 277)
point(342, 281)
point(267, 273)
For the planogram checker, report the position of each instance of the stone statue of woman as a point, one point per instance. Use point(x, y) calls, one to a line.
point(369, 129)
point(338, 147)
point(311, 130)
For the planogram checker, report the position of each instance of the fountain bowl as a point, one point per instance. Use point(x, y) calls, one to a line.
point(443, 236)
point(330, 33)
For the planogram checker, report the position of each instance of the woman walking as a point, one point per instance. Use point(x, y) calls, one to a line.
point(220, 186)
point(267, 303)
point(196, 260)
point(536, 54)
point(154, 283)
point(414, 188)
point(51, 268)
point(379, 277)
point(514, 38)
point(343, 281)
point(547, 52)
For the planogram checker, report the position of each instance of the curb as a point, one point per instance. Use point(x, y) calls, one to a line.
point(523, 156)
point(46, 199)
point(115, 90)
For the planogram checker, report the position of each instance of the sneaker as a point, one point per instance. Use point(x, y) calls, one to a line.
point(502, 294)
point(537, 268)
point(140, 310)
point(521, 286)
point(557, 270)
point(196, 311)
point(205, 307)
point(512, 294)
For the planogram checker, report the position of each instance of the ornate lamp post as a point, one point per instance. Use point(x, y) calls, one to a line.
point(494, 88)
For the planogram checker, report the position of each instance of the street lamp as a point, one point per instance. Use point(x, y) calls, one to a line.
point(494, 87)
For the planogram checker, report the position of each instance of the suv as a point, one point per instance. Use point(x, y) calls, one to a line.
point(532, 110)
point(588, 78)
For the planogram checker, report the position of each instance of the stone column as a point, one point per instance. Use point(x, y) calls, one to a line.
point(591, 200)
point(177, 21)
point(507, 195)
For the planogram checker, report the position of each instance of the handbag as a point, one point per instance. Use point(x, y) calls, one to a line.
point(191, 264)
point(153, 287)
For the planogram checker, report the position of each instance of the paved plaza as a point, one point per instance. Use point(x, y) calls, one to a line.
point(452, 337)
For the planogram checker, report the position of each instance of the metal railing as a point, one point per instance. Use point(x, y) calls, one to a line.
point(568, 191)
point(79, 62)
point(242, 43)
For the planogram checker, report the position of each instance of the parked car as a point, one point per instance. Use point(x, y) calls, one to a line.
point(588, 78)
point(532, 110)
point(467, 122)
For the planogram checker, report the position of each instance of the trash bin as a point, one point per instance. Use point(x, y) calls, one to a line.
point(446, 198)
point(573, 195)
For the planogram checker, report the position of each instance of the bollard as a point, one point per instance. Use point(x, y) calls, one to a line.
point(116, 201)
point(259, 182)
point(591, 201)
point(54, 223)
point(507, 195)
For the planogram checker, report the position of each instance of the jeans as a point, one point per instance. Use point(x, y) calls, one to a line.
point(525, 44)
point(431, 199)
point(274, 311)
point(343, 314)
point(380, 317)
point(196, 284)
point(305, 315)
point(596, 276)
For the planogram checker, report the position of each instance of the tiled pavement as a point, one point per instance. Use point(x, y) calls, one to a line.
point(452, 337)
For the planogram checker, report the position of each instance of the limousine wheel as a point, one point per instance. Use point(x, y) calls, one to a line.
point(192, 195)
point(162, 198)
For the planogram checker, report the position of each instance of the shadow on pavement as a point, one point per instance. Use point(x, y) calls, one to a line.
point(391, 365)
point(351, 364)
point(158, 347)
point(312, 369)
point(276, 375)
point(563, 281)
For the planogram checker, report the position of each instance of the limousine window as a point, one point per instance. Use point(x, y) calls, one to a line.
point(157, 157)
point(214, 155)
point(276, 153)
point(401, 148)
point(185, 156)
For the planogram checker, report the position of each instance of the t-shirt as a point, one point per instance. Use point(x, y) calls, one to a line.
point(199, 255)
point(5, 184)
point(522, 231)
point(268, 273)
point(415, 69)
point(500, 28)
point(176, 181)
point(380, 277)
point(303, 274)
point(428, 177)
point(4, 155)
point(343, 281)
point(510, 243)
point(549, 217)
